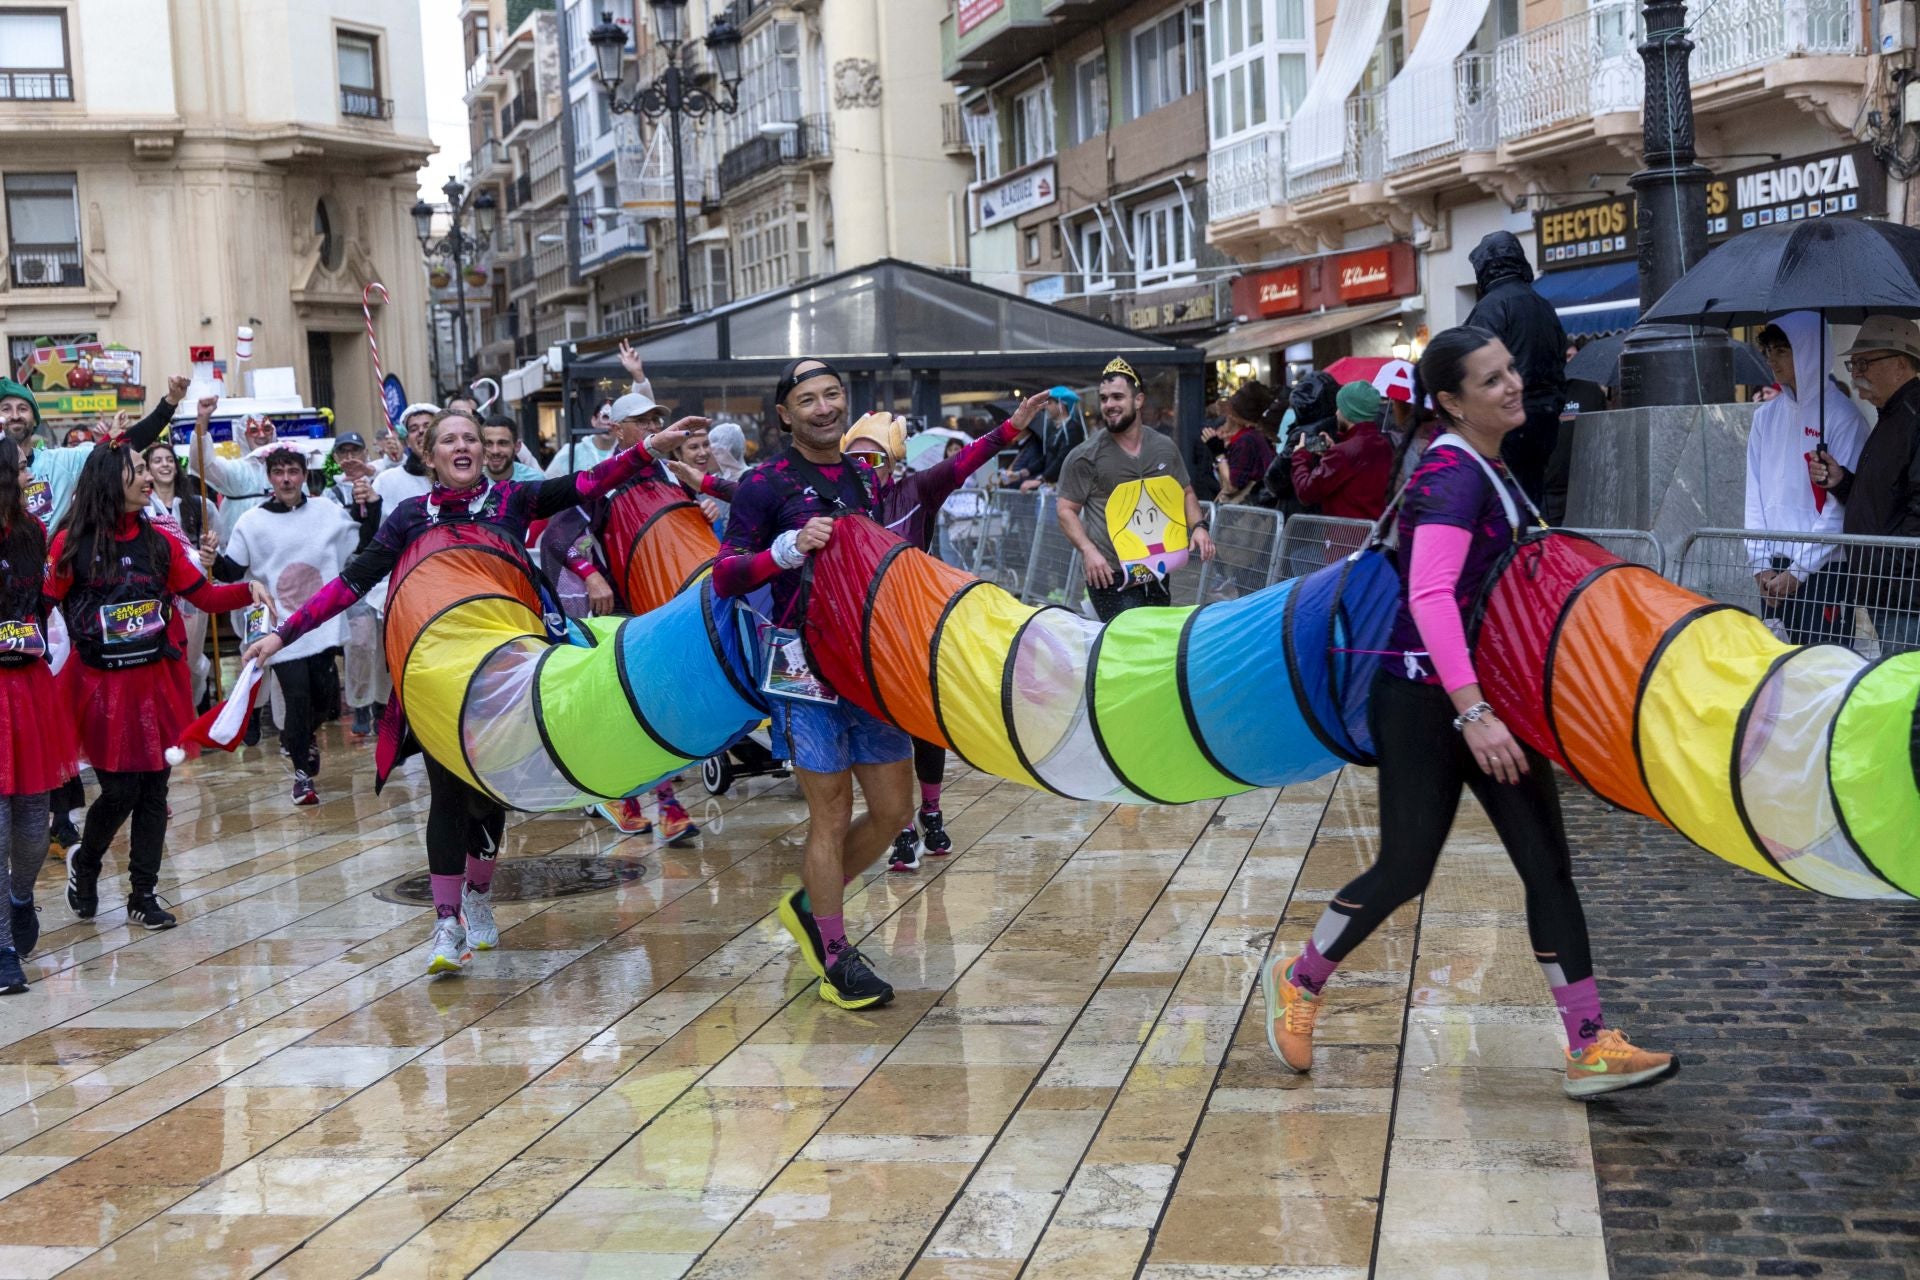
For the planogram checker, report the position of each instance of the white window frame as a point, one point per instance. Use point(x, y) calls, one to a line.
point(1158, 226)
point(983, 138)
point(1190, 24)
point(1243, 65)
point(1095, 246)
point(1032, 121)
point(1099, 106)
point(771, 89)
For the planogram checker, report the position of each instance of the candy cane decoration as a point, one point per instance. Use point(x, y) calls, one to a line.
point(379, 375)
point(486, 382)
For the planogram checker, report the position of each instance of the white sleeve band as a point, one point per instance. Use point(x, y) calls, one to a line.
point(786, 550)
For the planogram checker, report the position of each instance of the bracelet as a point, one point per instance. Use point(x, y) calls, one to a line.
point(1474, 714)
point(1203, 523)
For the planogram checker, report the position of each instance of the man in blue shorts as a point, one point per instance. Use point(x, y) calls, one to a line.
point(784, 512)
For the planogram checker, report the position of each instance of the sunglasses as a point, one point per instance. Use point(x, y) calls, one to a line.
point(872, 457)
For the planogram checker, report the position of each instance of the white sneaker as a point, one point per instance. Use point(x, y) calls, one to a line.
point(450, 953)
point(476, 913)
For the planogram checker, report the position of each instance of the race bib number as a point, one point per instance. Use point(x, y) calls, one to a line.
point(38, 496)
point(132, 623)
point(258, 625)
point(787, 674)
point(22, 640)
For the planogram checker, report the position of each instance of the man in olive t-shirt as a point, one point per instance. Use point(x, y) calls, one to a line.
point(1127, 505)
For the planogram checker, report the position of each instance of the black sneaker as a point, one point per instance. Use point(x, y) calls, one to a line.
point(13, 979)
point(83, 901)
point(799, 923)
point(934, 826)
point(64, 837)
point(906, 852)
point(145, 909)
point(303, 793)
point(26, 928)
point(852, 984)
point(252, 738)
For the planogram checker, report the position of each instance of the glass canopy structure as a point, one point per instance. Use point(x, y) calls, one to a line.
point(908, 339)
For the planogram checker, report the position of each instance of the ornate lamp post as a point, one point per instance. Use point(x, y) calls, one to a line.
point(458, 246)
point(1671, 364)
point(675, 94)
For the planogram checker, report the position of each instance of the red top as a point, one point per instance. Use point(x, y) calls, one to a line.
point(184, 578)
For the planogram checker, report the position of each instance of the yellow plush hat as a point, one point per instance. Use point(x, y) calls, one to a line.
point(1118, 368)
point(883, 429)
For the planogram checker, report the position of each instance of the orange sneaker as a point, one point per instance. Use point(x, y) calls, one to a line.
point(628, 816)
point(1290, 1014)
point(1610, 1063)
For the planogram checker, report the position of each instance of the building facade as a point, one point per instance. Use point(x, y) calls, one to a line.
point(175, 171)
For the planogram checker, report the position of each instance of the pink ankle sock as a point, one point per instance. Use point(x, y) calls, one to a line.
point(1312, 969)
point(833, 935)
point(446, 895)
point(929, 795)
point(1579, 1004)
point(479, 874)
point(664, 793)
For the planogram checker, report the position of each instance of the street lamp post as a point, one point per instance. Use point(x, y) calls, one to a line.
point(1664, 364)
point(675, 94)
point(457, 246)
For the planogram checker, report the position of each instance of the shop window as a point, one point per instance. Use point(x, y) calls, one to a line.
point(35, 57)
point(43, 230)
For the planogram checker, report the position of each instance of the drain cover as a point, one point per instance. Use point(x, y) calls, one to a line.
point(560, 875)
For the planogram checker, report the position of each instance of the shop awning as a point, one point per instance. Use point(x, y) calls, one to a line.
point(1594, 300)
point(1267, 335)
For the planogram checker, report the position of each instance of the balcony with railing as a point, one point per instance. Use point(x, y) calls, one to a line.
point(1355, 127)
point(47, 266)
point(36, 86)
point(1437, 112)
point(811, 139)
point(490, 157)
point(363, 104)
point(1583, 65)
point(1731, 36)
point(550, 274)
point(519, 273)
point(1247, 176)
point(602, 243)
point(514, 113)
point(953, 130)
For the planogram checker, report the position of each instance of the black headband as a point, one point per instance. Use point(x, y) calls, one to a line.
point(788, 379)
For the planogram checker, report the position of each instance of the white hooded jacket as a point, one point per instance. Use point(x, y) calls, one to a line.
point(1786, 431)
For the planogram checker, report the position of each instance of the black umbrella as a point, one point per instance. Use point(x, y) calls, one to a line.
point(1599, 361)
point(1844, 268)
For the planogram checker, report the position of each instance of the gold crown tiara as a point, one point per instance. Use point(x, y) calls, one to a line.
point(1118, 368)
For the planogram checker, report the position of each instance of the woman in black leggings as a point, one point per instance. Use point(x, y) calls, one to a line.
point(1434, 734)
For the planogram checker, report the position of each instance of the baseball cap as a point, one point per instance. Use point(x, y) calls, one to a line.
point(632, 405)
point(1887, 333)
point(349, 437)
point(1358, 402)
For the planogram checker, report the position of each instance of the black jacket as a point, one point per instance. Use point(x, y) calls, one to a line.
point(1882, 494)
point(1312, 402)
point(1511, 308)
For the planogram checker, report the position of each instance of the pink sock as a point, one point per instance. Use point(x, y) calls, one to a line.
point(1579, 1004)
point(1311, 970)
point(479, 874)
point(664, 793)
point(929, 795)
point(446, 895)
point(833, 935)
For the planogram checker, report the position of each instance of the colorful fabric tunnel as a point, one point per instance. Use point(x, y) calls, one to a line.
point(1694, 714)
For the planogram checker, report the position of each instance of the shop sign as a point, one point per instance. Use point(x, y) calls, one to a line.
point(1047, 289)
point(1195, 308)
point(968, 14)
point(1845, 183)
point(1280, 292)
point(1364, 275)
point(65, 404)
point(1019, 194)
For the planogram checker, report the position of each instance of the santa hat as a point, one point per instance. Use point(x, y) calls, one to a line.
point(225, 725)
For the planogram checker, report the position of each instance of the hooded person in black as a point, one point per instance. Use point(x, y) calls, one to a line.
point(1312, 402)
point(1514, 311)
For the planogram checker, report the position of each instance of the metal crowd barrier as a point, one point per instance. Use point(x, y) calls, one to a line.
point(1851, 590)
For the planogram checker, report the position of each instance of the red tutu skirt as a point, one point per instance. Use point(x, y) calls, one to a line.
point(37, 747)
point(128, 718)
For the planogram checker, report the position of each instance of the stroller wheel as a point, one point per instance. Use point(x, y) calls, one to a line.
point(716, 773)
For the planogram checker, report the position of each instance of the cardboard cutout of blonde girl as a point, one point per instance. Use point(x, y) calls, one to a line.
point(1147, 524)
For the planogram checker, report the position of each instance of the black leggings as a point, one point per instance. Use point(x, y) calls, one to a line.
point(1423, 764)
point(929, 762)
point(460, 821)
point(143, 796)
point(303, 691)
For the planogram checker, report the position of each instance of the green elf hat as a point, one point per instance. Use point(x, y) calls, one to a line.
point(9, 389)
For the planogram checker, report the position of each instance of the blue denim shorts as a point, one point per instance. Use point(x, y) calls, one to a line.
point(822, 738)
